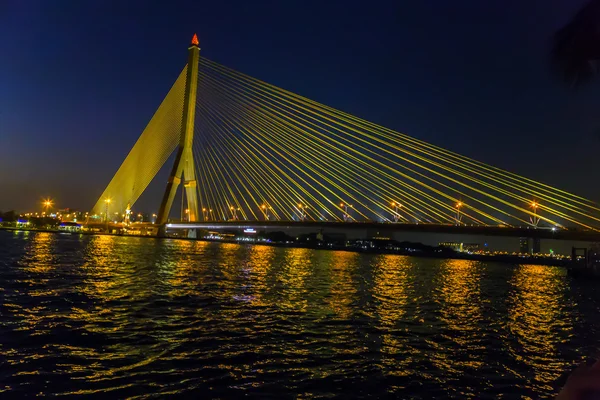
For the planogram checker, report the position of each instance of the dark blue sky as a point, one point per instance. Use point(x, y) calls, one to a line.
point(80, 80)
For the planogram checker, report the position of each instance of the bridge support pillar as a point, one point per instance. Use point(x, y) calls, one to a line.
point(184, 166)
point(536, 245)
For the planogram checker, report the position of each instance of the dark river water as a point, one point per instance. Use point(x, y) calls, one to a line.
point(125, 317)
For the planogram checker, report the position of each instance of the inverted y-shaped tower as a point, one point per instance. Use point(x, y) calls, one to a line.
point(183, 168)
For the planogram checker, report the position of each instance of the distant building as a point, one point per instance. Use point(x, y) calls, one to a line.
point(524, 245)
point(373, 244)
point(70, 215)
point(69, 227)
point(22, 223)
point(379, 234)
point(459, 246)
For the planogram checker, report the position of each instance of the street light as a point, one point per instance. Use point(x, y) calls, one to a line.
point(187, 214)
point(233, 212)
point(535, 219)
point(107, 201)
point(396, 206)
point(302, 210)
point(346, 214)
point(47, 204)
point(265, 209)
point(458, 214)
point(204, 214)
point(128, 213)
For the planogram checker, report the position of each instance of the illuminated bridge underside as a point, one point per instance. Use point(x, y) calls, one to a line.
point(264, 153)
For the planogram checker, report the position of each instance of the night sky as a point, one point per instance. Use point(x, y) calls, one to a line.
point(79, 80)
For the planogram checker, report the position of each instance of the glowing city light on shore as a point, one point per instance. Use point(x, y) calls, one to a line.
point(47, 204)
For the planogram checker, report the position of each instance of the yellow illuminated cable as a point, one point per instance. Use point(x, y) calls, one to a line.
point(366, 123)
point(298, 180)
point(243, 174)
point(241, 158)
point(235, 179)
point(289, 159)
point(480, 182)
point(470, 187)
point(587, 215)
point(284, 209)
point(291, 139)
point(443, 194)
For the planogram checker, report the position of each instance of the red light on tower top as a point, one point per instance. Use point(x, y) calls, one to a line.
point(195, 40)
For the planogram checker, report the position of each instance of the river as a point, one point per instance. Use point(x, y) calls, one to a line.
point(127, 317)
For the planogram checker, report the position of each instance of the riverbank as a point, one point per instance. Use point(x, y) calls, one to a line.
point(446, 254)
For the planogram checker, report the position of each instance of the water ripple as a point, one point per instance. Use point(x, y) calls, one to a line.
point(125, 317)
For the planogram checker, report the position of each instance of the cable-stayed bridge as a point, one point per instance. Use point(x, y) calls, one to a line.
point(251, 152)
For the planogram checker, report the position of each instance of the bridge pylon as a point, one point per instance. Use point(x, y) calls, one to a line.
point(184, 168)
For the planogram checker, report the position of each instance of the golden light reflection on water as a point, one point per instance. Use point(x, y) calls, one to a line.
point(458, 294)
point(461, 297)
point(39, 259)
point(294, 272)
point(181, 276)
point(392, 289)
point(109, 311)
point(40, 253)
point(261, 261)
point(109, 270)
point(342, 290)
point(128, 278)
point(133, 268)
point(540, 320)
point(230, 256)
